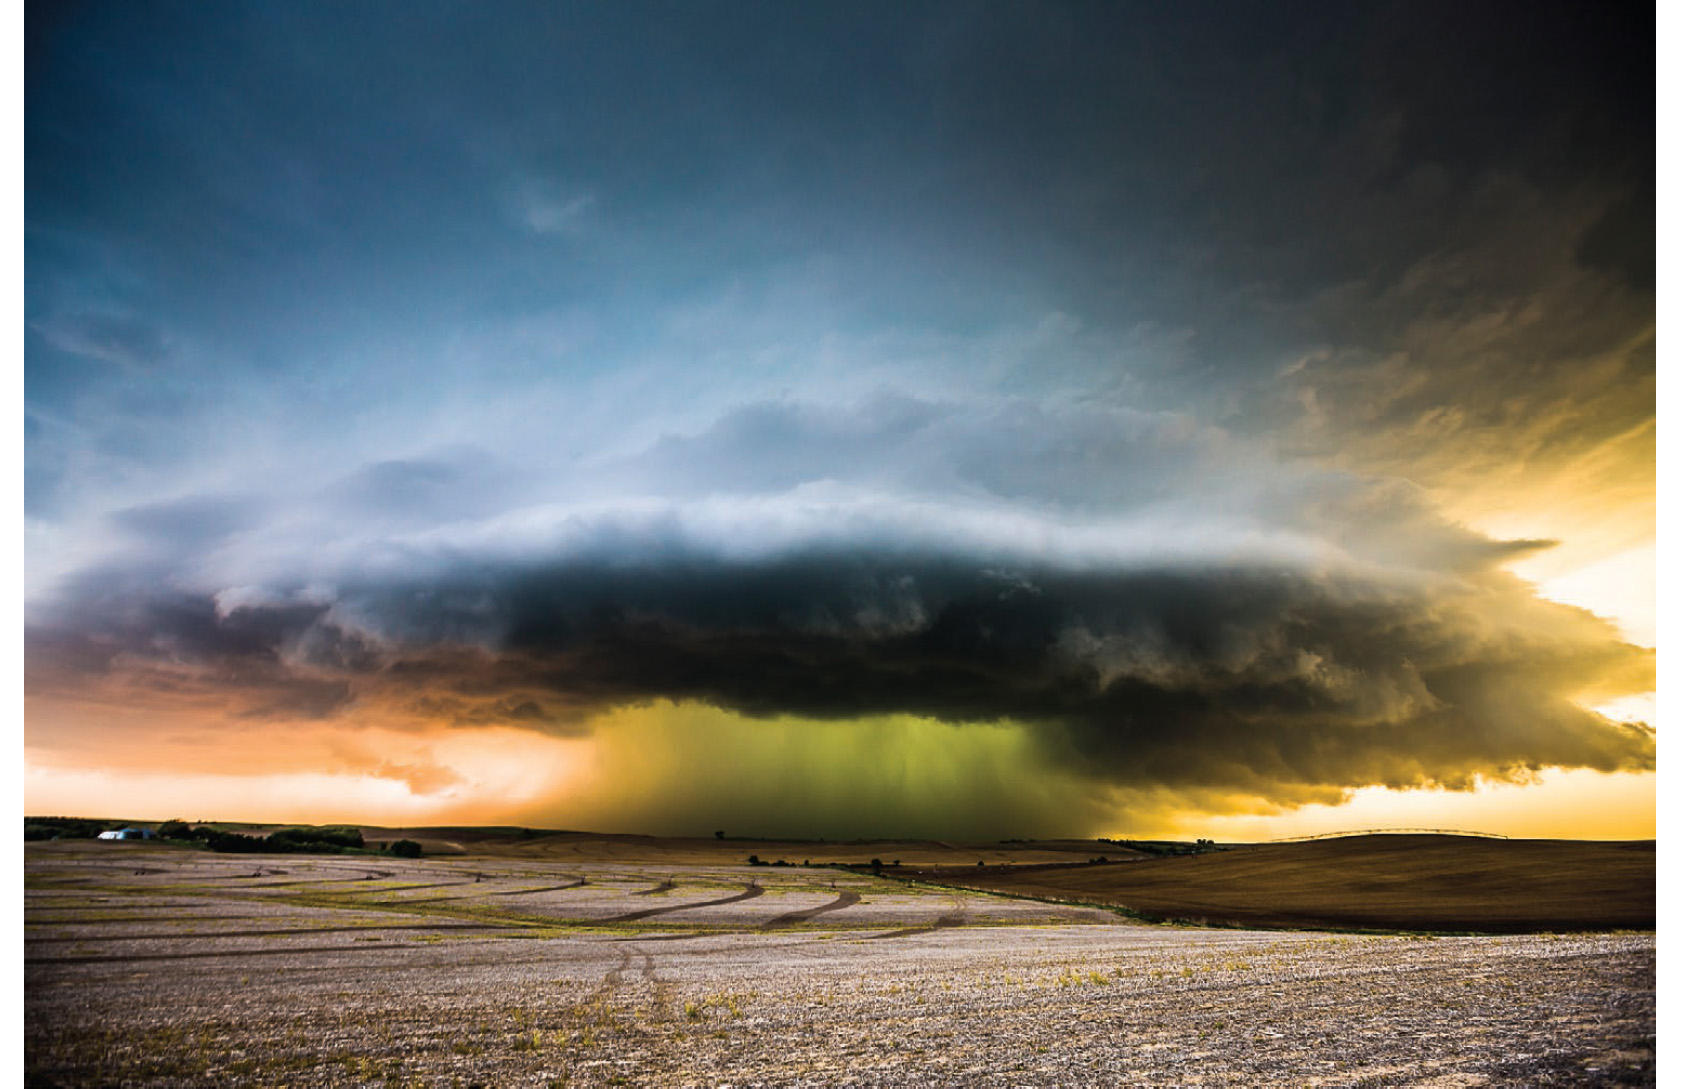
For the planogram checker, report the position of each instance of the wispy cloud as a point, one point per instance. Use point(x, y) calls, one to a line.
point(545, 208)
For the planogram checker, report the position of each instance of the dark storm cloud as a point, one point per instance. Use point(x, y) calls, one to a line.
point(505, 364)
point(150, 647)
point(1273, 679)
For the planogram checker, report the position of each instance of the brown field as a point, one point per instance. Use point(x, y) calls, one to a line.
point(511, 958)
point(517, 843)
point(1376, 882)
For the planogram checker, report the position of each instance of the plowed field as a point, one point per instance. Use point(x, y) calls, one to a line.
point(154, 966)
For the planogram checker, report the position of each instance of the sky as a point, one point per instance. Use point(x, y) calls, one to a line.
point(937, 419)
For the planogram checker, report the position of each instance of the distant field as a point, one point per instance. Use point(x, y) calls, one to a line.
point(1379, 882)
point(711, 850)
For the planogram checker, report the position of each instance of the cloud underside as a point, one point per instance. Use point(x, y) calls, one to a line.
point(1275, 682)
point(1156, 606)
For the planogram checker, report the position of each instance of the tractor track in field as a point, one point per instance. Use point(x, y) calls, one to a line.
point(748, 893)
point(841, 902)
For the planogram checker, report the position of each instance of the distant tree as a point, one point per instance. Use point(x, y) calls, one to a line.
point(719, 834)
point(315, 838)
point(234, 843)
point(64, 827)
point(406, 848)
point(753, 860)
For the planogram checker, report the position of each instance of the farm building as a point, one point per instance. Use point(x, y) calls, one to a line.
point(128, 833)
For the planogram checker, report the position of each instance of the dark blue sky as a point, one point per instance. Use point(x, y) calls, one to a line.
point(261, 183)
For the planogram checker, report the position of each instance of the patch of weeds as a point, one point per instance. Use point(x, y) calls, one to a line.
point(722, 1001)
point(359, 1066)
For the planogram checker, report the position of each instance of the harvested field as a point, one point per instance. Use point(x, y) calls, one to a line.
point(534, 845)
point(1376, 882)
point(155, 966)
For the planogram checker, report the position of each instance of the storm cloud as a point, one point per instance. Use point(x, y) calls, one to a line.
point(1300, 631)
point(1171, 399)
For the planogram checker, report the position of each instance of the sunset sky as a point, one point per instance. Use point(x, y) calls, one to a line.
point(846, 419)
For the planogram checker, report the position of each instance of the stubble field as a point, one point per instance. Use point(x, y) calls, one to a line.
point(556, 960)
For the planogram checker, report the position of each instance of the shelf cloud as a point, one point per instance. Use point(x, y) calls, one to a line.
point(916, 417)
